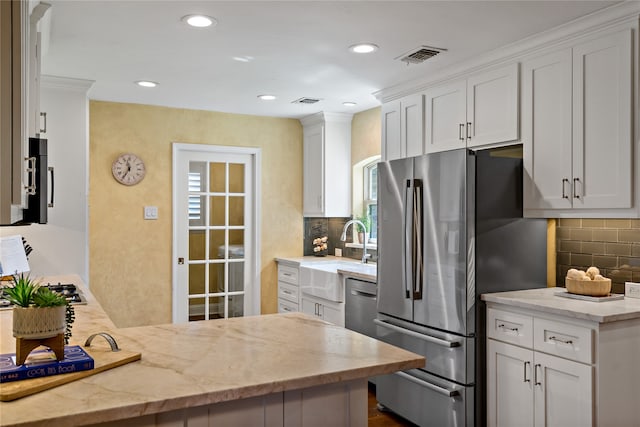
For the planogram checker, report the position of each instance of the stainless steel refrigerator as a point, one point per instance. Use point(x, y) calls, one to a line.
point(450, 228)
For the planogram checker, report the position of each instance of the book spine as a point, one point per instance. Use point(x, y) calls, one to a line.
point(28, 372)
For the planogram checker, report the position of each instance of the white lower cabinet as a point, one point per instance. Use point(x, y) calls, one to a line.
point(330, 311)
point(551, 370)
point(288, 289)
point(529, 388)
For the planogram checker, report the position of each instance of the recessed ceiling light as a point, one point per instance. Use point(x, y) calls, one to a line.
point(146, 83)
point(267, 97)
point(349, 104)
point(200, 21)
point(363, 48)
point(243, 58)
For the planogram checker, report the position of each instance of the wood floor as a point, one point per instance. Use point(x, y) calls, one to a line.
point(383, 419)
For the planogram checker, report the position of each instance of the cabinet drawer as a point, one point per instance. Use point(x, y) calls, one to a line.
point(285, 306)
point(563, 339)
point(288, 274)
point(510, 327)
point(288, 291)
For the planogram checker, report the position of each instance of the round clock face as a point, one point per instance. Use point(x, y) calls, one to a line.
point(128, 169)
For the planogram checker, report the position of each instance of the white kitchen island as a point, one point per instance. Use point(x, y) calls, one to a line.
point(555, 361)
point(272, 370)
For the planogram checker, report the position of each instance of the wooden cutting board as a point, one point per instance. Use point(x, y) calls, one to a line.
point(103, 359)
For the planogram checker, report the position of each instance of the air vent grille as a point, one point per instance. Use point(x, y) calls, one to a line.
point(419, 55)
point(305, 100)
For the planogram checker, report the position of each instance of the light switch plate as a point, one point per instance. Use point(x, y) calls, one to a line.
point(632, 290)
point(150, 212)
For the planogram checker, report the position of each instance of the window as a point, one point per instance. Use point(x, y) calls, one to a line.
point(371, 198)
point(194, 200)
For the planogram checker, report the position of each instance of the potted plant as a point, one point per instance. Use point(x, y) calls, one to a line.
point(39, 312)
point(366, 220)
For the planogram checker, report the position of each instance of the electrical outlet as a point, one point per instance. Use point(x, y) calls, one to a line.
point(150, 212)
point(338, 252)
point(632, 290)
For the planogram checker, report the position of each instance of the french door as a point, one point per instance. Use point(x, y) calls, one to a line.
point(215, 229)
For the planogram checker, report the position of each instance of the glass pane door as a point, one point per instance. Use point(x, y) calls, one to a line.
point(217, 236)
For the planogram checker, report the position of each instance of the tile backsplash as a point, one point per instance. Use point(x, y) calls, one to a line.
point(612, 245)
point(332, 228)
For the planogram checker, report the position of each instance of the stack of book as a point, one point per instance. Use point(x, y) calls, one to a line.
point(43, 363)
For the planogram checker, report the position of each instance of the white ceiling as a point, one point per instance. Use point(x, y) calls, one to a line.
point(299, 48)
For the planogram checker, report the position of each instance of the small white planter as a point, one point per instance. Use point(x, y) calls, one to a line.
point(38, 322)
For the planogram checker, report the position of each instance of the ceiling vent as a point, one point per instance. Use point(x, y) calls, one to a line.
point(305, 100)
point(420, 54)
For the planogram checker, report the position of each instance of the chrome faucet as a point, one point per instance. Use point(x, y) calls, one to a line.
point(343, 237)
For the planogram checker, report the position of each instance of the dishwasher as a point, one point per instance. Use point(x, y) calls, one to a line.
point(361, 307)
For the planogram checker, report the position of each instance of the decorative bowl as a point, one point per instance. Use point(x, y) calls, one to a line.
point(594, 288)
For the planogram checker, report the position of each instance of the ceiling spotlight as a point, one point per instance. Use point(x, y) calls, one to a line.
point(267, 97)
point(146, 83)
point(349, 104)
point(363, 48)
point(200, 21)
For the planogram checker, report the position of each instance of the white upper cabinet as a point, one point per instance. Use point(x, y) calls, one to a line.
point(481, 110)
point(577, 128)
point(403, 128)
point(327, 165)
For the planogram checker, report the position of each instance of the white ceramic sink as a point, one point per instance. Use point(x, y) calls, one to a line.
point(321, 279)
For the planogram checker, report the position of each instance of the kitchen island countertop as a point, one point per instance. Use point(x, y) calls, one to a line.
point(201, 363)
point(546, 300)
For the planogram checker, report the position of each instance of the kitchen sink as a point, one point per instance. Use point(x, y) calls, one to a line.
point(321, 279)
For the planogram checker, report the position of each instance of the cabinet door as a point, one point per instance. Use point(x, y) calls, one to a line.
point(546, 131)
point(310, 307)
point(602, 155)
point(332, 314)
point(391, 147)
point(492, 106)
point(411, 125)
point(313, 171)
point(563, 392)
point(445, 117)
point(509, 385)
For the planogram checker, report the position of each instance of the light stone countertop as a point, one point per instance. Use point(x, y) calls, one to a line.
point(200, 363)
point(545, 300)
point(348, 267)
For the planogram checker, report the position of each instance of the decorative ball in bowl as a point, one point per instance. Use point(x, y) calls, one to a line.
point(587, 283)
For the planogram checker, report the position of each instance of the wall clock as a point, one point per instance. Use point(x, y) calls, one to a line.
point(128, 169)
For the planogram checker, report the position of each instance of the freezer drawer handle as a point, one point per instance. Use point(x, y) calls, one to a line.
point(428, 338)
point(437, 389)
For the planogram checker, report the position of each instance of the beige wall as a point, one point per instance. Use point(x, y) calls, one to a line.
point(366, 135)
point(130, 258)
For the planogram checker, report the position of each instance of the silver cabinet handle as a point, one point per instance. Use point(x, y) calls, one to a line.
point(526, 380)
point(468, 130)
point(535, 374)
point(560, 340)
point(31, 170)
point(576, 181)
point(460, 127)
point(428, 338)
point(564, 194)
point(430, 386)
point(503, 326)
point(44, 115)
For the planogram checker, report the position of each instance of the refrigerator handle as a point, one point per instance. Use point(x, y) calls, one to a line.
point(424, 337)
point(430, 386)
point(407, 272)
point(416, 253)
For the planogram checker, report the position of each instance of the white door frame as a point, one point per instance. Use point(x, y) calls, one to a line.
point(254, 270)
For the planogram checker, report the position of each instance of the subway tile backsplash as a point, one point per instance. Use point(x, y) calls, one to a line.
point(612, 245)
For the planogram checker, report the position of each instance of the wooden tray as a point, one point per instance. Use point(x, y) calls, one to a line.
point(103, 359)
point(594, 288)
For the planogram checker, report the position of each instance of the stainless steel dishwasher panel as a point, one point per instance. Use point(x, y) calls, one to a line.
point(360, 306)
